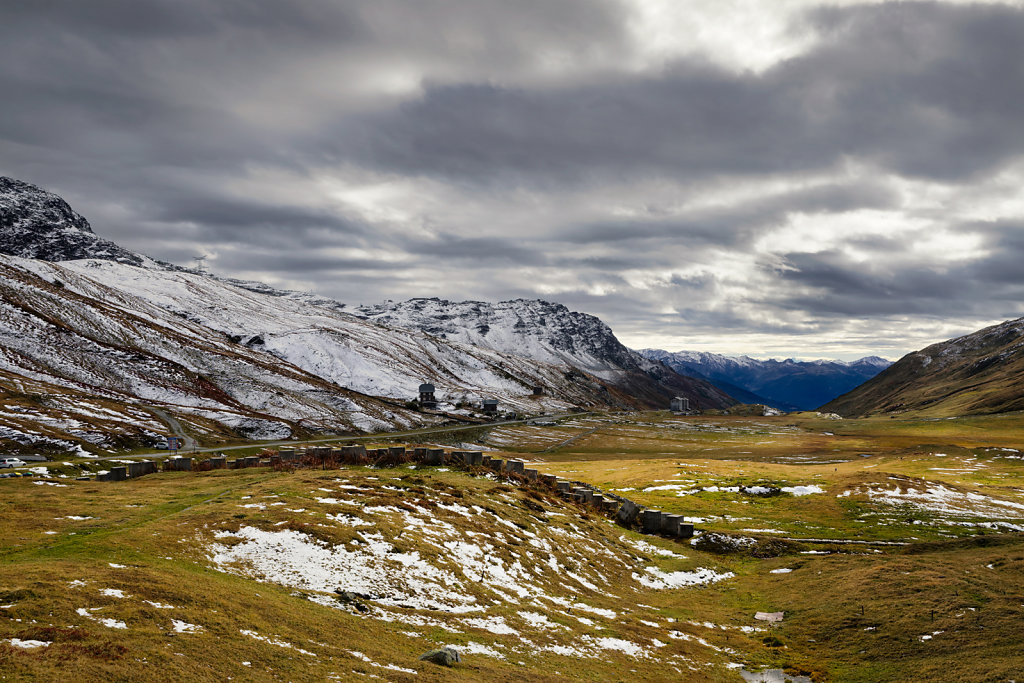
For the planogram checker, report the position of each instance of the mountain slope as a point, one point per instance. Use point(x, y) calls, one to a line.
point(786, 384)
point(202, 347)
point(551, 333)
point(98, 343)
point(38, 224)
point(75, 352)
point(974, 374)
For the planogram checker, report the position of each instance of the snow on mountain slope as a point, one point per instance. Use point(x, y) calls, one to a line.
point(71, 337)
point(787, 384)
point(548, 332)
point(251, 361)
point(538, 329)
point(38, 224)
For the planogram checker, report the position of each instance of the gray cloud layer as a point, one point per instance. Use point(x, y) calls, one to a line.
point(856, 197)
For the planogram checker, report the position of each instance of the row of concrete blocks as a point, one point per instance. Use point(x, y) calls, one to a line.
point(587, 495)
point(399, 454)
point(626, 512)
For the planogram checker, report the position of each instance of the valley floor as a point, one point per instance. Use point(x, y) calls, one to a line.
point(892, 548)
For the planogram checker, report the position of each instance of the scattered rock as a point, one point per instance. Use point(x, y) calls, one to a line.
point(770, 617)
point(446, 656)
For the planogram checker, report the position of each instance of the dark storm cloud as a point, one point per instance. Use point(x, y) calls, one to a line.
point(152, 115)
point(308, 262)
point(246, 216)
point(738, 223)
point(479, 249)
point(989, 284)
point(923, 89)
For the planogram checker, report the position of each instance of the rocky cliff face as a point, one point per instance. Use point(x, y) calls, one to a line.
point(38, 224)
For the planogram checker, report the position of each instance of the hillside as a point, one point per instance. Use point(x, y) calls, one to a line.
point(975, 374)
point(551, 333)
point(787, 384)
point(261, 366)
point(101, 348)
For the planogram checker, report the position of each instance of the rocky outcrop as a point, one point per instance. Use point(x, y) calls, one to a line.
point(38, 224)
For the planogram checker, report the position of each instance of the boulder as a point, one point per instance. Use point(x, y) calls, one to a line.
point(446, 656)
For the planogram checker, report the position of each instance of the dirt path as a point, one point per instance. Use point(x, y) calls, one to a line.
point(187, 442)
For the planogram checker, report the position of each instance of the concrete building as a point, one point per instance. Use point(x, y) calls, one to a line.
point(427, 399)
point(490, 405)
point(680, 404)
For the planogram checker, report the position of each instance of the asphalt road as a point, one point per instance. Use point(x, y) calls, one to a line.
point(369, 437)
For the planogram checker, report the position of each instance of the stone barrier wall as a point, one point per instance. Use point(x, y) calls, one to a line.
point(624, 511)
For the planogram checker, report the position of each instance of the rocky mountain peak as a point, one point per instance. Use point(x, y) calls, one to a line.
point(38, 224)
point(540, 329)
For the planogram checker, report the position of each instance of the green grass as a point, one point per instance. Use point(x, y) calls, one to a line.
point(857, 613)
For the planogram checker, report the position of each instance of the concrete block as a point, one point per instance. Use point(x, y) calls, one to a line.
point(474, 458)
point(287, 454)
point(117, 474)
point(516, 466)
point(685, 531)
point(353, 453)
point(497, 464)
point(670, 524)
point(650, 521)
point(532, 475)
point(628, 513)
point(219, 463)
point(563, 486)
point(434, 457)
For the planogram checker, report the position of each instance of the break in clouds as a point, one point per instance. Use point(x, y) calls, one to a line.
point(802, 179)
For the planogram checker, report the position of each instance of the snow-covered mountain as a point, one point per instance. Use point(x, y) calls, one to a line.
point(102, 346)
point(38, 224)
point(551, 333)
point(785, 384)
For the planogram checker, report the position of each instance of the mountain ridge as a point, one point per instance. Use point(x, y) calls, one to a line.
point(549, 332)
point(786, 384)
point(976, 373)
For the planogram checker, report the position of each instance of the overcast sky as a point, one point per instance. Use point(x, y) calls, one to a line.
point(782, 178)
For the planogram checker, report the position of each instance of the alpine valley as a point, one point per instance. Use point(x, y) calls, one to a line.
point(102, 348)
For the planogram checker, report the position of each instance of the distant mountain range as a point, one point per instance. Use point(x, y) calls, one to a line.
point(97, 343)
point(783, 384)
point(978, 373)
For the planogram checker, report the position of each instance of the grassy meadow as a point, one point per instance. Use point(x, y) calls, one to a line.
point(893, 547)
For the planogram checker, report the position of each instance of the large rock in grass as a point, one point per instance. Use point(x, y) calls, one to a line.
point(446, 656)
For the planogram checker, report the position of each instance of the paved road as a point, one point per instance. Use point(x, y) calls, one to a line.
point(369, 437)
